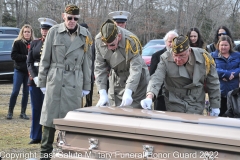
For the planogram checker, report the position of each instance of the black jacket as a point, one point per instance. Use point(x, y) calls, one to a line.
point(19, 55)
point(34, 55)
point(233, 104)
point(155, 60)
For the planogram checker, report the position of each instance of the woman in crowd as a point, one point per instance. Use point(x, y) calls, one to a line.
point(36, 94)
point(195, 38)
point(228, 68)
point(222, 30)
point(19, 54)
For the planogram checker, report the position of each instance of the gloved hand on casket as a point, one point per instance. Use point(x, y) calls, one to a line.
point(85, 92)
point(35, 79)
point(43, 90)
point(146, 103)
point(103, 101)
point(214, 112)
point(127, 98)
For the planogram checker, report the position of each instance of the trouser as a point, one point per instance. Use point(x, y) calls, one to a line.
point(223, 108)
point(19, 78)
point(159, 103)
point(47, 142)
point(89, 97)
point(36, 103)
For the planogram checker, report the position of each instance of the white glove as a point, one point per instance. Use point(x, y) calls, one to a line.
point(85, 92)
point(127, 98)
point(43, 90)
point(103, 101)
point(215, 112)
point(146, 103)
point(35, 79)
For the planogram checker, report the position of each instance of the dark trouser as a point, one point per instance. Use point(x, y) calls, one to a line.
point(36, 103)
point(159, 103)
point(223, 108)
point(47, 141)
point(89, 97)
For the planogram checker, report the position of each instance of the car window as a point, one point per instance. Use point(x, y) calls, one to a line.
point(155, 42)
point(6, 44)
point(149, 51)
point(11, 32)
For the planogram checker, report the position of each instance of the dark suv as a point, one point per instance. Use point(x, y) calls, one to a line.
point(9, 30)
point(6, 62)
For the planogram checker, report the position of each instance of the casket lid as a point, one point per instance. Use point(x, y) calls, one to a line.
point(155, 124)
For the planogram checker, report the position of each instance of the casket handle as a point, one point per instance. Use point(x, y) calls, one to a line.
point(147, 150)
point(93, 143)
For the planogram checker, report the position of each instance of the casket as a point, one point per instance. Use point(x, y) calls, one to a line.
point(128, 134)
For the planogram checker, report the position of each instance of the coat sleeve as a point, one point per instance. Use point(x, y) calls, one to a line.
point(30, 61)
point(154, 63)
point(135, 70)
point(87, 67)
point(101, 68)
point(213, 87)
point(46, 59)
point(158, 77)
point(16, 52)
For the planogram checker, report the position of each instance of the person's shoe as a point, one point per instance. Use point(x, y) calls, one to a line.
point(9, 116)
point(35, 141)
point(24, 116)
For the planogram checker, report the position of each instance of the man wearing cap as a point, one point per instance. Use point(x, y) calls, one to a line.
point(119, 50)
point(184, 71)
point(36, 94)
point(64, 72)
point(120, 17)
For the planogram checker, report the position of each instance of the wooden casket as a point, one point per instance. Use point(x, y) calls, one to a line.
point(128, 134)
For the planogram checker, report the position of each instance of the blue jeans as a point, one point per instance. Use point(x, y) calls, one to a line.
point(19, 78)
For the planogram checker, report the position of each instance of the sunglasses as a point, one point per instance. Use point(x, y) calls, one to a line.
point(70, 18)
point(219, 34)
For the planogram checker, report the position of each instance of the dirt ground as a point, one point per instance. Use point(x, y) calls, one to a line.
point(15, 133)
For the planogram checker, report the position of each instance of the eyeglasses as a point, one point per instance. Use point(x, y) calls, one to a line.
point(224, 33)
point(70, 18)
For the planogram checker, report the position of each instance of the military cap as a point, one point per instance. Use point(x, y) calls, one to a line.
point(46, 23)
point(119, 16)
point(109, 31)
point(180, 44)
point(72, 9)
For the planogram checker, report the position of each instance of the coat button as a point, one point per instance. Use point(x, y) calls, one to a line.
point(73, 86)
point(194, 98)
point(195, 108)
point(65, 58)
point(65, 72)
point(63, 85)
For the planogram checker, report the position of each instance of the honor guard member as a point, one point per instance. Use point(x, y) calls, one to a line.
point(35, 92)
point(184, 71)
point(120, 17)
point(64, 73)
point(119, 50)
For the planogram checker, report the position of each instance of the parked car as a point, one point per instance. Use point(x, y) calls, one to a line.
point(237, 42)
point(154, 42)
point(149, 51)
point(6, 62)
point(9, 30)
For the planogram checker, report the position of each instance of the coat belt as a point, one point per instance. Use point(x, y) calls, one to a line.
point(66, 67)
point(182, 91)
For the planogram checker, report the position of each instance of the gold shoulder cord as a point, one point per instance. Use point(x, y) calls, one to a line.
point(129, 47)
point(88, 42)
point(208, 62)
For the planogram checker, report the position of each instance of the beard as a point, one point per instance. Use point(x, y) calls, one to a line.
point(168, 48)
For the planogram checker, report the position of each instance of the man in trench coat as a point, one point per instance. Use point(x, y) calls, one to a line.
point(64, 73)
point(120, 50)
point(184, 71)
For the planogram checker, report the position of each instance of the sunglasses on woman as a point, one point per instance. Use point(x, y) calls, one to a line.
point(224, 33)
point(70, 18)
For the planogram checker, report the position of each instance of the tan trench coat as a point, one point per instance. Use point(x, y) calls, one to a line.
point(127, 70)
point(65, 70)
point(183, 94)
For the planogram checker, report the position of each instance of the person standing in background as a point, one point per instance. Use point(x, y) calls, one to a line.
point(120, 17)
point(195, 38)
point(35, 92)
point(19, 54)
point(64, 73)
point(159, 103)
